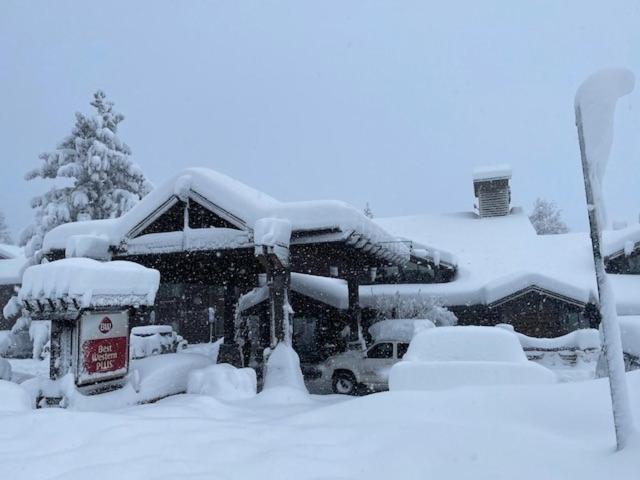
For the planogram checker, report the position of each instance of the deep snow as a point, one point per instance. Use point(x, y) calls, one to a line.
point(560, 431)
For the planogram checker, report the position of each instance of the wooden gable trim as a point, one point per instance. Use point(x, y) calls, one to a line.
point(157, 213)
point(218, 210)
point(171, 201)
point(536, 289)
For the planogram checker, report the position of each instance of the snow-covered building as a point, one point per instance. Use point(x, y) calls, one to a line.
point(12, 263)
point(488, 267)
point(199, 231)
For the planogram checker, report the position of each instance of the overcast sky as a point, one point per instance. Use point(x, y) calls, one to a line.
point(390, 102)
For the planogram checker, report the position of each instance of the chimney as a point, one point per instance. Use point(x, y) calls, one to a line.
point(491, 187)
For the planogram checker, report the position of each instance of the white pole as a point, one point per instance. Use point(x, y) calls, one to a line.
point(612, 345)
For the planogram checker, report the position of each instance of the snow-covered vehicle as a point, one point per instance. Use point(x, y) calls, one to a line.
point(449, 357)
point(354, 371)
point(151, 340)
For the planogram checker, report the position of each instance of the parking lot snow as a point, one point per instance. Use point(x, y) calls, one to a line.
point(556, 431)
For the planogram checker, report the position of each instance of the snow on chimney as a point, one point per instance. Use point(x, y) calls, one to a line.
point(491, 187)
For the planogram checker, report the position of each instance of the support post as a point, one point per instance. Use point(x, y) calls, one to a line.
point(61, 349)
point(277, 296)
point(229, 349)
point(354, 312)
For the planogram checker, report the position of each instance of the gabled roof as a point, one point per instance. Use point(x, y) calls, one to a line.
point(323, 220)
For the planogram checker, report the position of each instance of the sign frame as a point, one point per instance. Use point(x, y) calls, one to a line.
point(84, 378)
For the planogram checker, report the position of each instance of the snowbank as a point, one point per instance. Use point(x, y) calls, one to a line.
point(283, 372)
point(90, 283)
point(449, 357)
point(5, 370)
point(13, 398)
point(149, 379)
point(630, 335)
point(223, 382)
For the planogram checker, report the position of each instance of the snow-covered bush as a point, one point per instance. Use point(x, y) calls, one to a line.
point(224, 382)
point(417, 307)
point(546, 218)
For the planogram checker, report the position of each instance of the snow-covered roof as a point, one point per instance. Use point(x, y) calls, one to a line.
point(83, 283)
point(500, 256)
point(244, 206)
point(492, 172)
point(12, 262)
point(496, 257)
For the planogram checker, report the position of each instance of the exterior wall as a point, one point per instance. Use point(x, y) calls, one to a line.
point(624, 264)
point(534, 314)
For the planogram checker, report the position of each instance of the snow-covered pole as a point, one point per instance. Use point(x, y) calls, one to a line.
point(598, 94)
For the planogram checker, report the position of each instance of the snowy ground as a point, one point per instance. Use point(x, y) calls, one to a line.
point(560, 431)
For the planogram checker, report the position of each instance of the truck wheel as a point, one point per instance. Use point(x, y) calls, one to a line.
point(345, 383)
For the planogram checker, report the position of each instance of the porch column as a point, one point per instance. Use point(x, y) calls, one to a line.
point(354, 312)
point(278, 297)
point(229, 349)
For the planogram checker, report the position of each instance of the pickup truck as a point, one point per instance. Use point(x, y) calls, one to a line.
point(355, 372)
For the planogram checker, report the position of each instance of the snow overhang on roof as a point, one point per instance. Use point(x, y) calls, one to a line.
point(316, 221)
point(492, 172)
point(12, 263)
point(72, 284)
point(625, 241)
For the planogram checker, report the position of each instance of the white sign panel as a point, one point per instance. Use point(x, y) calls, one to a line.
point(103, 347)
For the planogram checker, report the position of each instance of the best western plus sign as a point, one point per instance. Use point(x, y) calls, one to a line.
point(103, 346)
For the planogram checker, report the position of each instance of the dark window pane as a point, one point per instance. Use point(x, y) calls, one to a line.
point(402, 349)
point(381, 350)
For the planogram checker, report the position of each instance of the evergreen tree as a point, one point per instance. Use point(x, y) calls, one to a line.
point(546, 218)
point(105, 182)
point(5, 234)
point(367, 211)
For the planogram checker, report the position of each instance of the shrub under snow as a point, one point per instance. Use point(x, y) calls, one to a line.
point(223, 382)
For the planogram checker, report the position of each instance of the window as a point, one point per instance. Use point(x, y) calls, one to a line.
point(381, 350)
point(402, 349)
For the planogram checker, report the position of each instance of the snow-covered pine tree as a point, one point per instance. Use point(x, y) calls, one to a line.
point(5, 234)
point(367, 211)
point(546, 218)
point(105, 183)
